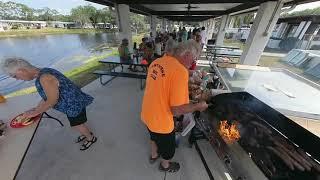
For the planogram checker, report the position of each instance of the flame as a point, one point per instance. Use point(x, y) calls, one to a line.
point(230, 132)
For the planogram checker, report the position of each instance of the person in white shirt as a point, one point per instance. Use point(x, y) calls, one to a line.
point(203, 35)
point(157, 47)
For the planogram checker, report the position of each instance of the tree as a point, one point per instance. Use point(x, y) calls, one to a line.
point(85, 14)
point(248, 19)
point(64, 18)
point(94, 15)
point(138, 22)
point(237, 21)
point(12, 10)
point(314, 11)
point(80, 15)
point(47, 14)
point(105, 16)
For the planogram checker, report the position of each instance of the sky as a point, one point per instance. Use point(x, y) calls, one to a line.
point(64, 6)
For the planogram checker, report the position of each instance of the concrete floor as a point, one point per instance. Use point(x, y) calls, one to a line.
point(122, 149)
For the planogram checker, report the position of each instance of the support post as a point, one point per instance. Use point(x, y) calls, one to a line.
point(260, 32)
point(211, 29)
point(304, 30)
point(299, 29)
point(153, 25)
point(163, 25)
point(281, 29)
point(222, 30)
point(170, 26)
point(123, 22)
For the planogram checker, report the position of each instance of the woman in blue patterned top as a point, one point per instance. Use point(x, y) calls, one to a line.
point(57, 92)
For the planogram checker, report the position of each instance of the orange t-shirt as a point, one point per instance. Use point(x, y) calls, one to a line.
point(166, 86)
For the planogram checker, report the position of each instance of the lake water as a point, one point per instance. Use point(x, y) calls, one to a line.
point(62, 52)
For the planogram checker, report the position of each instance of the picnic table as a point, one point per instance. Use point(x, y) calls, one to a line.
point(214, 51)
point(115, 62)
point(16, 142)
point(213, 46)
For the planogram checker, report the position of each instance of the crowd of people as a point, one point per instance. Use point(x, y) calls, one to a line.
point(153, 47)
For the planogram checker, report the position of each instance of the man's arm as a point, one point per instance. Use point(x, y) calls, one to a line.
point(188, 108)
point(50, 86)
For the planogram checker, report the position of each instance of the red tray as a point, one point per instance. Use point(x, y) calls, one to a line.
point(15, 124)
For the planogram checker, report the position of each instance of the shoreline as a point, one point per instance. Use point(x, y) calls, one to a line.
point(50, 31)
point(81, 75)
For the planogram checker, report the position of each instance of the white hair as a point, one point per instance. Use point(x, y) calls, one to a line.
point(170, 46)
point(12, 64)
point(190, 46)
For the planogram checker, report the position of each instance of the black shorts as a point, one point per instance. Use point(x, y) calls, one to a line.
point(78, 120)
point(166, 144)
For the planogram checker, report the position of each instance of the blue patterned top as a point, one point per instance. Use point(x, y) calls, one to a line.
point(71, 99)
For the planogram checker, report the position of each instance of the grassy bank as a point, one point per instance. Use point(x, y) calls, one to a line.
point(234, 43)
point(138, 38)
point(81, 76)
point(45, 31)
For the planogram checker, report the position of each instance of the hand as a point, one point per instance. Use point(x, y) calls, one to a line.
point(205, 96)
point(30, 114)
point(201, 106)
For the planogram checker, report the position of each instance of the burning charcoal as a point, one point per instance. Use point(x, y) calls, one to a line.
point(229, 131)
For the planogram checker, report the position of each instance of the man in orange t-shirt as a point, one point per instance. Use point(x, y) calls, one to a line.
point(166, 95)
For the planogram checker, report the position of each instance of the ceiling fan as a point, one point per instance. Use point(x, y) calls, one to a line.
point(189, 7)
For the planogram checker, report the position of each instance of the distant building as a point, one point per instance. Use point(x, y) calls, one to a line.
point(8, 24)
point(103, 25)
point(302, 30)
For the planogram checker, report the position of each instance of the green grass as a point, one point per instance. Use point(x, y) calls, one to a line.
point(235, 43)
point(138, 38)
point(276, 62)
point(81, 76)
point(45, 31)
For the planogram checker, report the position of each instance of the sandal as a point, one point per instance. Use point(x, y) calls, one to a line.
point(81, 138)
point(153, 160)
point(173, 167)
point(86, 144)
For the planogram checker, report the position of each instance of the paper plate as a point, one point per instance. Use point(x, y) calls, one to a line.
point(15, 124)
